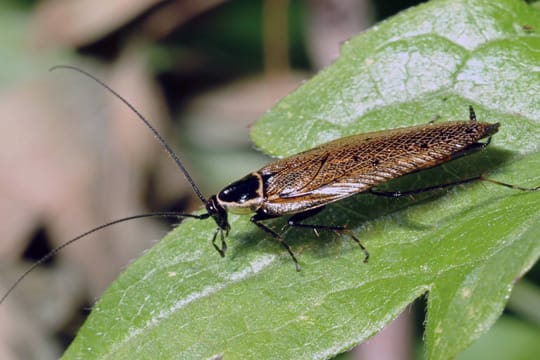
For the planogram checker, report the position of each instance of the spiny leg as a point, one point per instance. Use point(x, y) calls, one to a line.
point(223, 248)
point(511, 186)
point(296, 220)
point(396, 194)
point(261, 216)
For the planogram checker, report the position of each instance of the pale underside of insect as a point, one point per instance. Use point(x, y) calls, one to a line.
point(302, 185)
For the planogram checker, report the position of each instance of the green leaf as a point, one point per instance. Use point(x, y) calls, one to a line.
point(464, 248)
point(494, 345)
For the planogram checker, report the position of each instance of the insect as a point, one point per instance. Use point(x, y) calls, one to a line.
point(301, 186)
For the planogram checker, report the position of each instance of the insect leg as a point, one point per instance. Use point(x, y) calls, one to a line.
point(296, 219)
point(260, 217)
point(511, 186)
point(223, 248)
point(396, 194)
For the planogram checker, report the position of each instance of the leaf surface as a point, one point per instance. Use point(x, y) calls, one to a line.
point(464, 248)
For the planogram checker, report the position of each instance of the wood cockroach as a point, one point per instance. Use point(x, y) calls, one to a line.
point(300, 186)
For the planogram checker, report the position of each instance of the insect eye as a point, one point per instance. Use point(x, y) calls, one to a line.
point(210, 205)
point(242, 190)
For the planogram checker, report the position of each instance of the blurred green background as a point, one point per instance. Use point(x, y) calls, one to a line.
point(73, 157)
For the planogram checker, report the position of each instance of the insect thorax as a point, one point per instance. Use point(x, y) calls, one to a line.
point(243, 196)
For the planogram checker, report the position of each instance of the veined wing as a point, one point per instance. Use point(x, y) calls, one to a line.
point(354, 164)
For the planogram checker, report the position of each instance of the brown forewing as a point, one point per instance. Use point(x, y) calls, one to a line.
point(354, 164)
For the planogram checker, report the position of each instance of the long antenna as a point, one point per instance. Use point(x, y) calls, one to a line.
point(54, 251)
point(166, 146)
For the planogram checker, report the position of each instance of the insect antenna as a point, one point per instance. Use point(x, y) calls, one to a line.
point(170, 214)
point(50, 254)
point(160, 138)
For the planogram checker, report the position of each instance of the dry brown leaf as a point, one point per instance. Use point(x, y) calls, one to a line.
point(77, 23)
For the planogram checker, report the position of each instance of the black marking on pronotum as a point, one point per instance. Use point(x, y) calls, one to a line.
point(301, 186)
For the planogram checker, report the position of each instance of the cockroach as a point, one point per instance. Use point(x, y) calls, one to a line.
point(301, 185)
